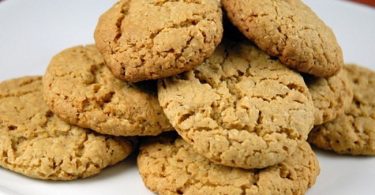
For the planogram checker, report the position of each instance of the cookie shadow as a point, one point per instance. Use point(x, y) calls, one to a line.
point(116, 170)
point(334, 155)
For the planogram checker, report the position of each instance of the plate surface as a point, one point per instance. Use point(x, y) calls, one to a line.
point(31, 32)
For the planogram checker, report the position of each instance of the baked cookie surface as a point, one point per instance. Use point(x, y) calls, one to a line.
point(151, 39)
point(331, 96)
point(170, 166)
point(239, 108)
point(353, 132)
point(80, 89)
point(36, 143)
point(289, 30)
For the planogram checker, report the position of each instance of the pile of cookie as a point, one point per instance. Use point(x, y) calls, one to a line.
point(222, 98)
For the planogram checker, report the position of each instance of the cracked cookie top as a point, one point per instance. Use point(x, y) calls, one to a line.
point(289, 30)
point(331, 96)
point(151, 39)
point(36, 143)
point(170, 166)
point(353, 132)
point(80, 89)
point(240, 107)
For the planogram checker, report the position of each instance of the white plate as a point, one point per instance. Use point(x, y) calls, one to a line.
point(32, 31)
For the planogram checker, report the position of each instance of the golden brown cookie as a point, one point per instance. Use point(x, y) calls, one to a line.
point(80, 89)
point(170, 166)
point(331, 96)
point(36, 143)
point(289, 30)
point(353, 132)
point(151, 39)
point(239, 108)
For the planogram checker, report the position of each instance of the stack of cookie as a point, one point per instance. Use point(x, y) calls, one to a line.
point(215, 115)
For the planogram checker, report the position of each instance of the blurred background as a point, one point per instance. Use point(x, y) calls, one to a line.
point(367, 2)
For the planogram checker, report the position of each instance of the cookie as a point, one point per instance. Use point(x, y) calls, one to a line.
point(289, 30)
point(151, 39)
point(170, 166)
point(36, 143)
point(353, 132)
point(80, 89)
point(239, 108)
point(331, 96)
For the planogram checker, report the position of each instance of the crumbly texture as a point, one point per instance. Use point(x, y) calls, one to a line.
point(170, 166)
point(80, 89)
point(240, 108)
point(331, 96)
point(289, 30)
point(36, 143)
point(353, 132)
point(151, 39)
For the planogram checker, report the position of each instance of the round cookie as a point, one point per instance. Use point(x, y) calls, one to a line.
point(289, 30)
point(239, 108)
point(80, 89)
point(170, 166)
point(36, 143)
point(151, 39)
point(331, 96)
point(353, 132)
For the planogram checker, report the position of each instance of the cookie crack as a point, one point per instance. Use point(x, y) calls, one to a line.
point(18, 94)
point(123, 12)
point(161, 3)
